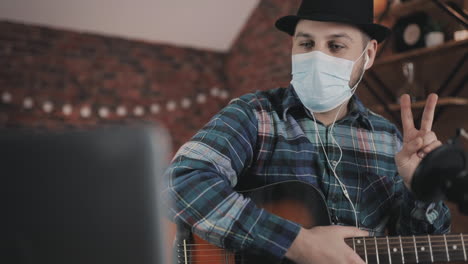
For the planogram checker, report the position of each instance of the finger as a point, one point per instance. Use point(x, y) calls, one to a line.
point(406, 114)
point(428, 138)
point(349, 231)
point(408, 150)
point(354, 258)
point(428, 114)
point(428, 149)
point(413, 146)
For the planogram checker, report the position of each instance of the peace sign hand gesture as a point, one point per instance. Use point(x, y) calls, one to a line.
point(416, 143)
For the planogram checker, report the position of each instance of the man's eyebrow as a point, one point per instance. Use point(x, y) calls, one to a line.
point(302, 34)
point(340, 35)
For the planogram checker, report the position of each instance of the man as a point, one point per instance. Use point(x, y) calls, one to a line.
point(314, 131)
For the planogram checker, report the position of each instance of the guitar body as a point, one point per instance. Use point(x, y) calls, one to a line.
point(293, 200)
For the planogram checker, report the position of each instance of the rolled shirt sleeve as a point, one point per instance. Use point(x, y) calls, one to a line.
point(418, 217)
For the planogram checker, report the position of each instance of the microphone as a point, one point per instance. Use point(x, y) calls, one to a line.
point(442, 174)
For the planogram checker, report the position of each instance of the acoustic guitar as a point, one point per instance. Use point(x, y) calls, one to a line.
point(305, 204)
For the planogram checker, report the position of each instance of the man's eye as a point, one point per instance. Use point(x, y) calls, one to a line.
point(307, 45)
point(336, 47)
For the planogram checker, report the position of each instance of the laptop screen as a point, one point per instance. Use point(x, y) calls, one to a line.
point(88, 196)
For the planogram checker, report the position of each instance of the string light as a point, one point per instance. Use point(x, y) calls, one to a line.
point(201, 98)
point(224, 95)
point(138, 110)
point(186, 103)
point(155, 108)
point(121, 110)
point(28, 103)
point(6, 97)
point(67, 109)
point(103, 112)
point(47, 106)
point(215, 91)
point(171, 106)
point(85, 112)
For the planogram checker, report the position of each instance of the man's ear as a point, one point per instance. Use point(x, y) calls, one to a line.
point(371, 52)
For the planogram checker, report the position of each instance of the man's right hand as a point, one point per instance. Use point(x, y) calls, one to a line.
point(325, 244)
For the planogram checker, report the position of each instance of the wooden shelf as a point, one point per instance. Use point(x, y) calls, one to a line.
point(404, 9)
point(443, 101)
point(419, 52)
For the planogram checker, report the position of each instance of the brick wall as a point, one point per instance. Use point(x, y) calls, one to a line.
point(85, 70)
point(260, 57)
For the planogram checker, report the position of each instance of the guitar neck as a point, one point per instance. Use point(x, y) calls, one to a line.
point(411, 249)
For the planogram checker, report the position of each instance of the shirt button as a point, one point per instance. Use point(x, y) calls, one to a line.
point(334, 163)
point(335, 219)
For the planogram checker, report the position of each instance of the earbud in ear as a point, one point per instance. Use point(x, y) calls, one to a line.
point(366, 60)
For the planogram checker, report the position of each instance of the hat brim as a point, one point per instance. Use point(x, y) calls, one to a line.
point(375, 31)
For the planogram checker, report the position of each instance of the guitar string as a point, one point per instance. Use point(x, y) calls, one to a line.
point(362, 253)
point(439, 256)
point(384, 243)
point(454, 254)
point(438, 253)
point(384, 253)
point(369, 254)
point(450, 237)
point(406, 245)
point(451, 251)
point(246, 259)
point(371, 247)
point(407, 252)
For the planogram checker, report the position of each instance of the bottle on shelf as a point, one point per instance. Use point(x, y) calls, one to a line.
point(411, 86)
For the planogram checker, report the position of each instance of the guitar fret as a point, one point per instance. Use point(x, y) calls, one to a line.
point(401, 247)
point(422, 245)
point(365, 249)
point(354, 245)
point(185, 252)
point(430, 248)
point(226, 258)
point(377, 250)
point(463, 244)
point(446, 248)
point(388, 248)
point(415, 249)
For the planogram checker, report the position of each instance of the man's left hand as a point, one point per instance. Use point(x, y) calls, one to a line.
point(416, 143)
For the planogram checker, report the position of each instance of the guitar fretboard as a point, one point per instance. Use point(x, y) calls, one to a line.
point(411, 249)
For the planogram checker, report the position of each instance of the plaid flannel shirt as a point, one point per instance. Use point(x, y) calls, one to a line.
point(268, 137)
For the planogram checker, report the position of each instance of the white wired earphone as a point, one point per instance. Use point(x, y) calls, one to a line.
point(343, 187)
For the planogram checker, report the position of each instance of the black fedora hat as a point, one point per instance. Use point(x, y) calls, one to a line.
point(359, 13)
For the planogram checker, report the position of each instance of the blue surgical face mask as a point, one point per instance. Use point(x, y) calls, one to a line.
point(322, 81)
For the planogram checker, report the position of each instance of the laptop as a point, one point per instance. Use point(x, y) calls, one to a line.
point(82, 196)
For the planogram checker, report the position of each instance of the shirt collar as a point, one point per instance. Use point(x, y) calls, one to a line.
point(357, 111)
